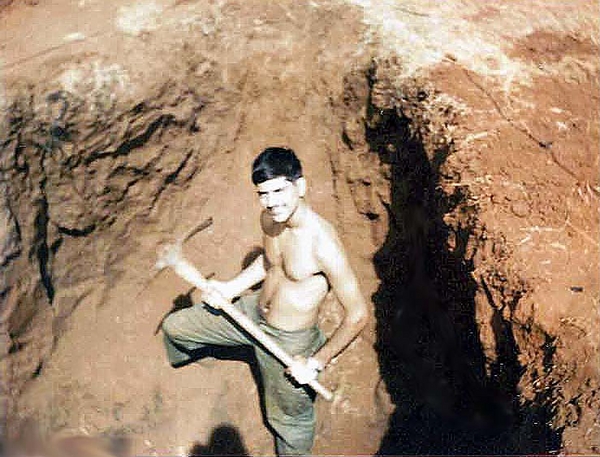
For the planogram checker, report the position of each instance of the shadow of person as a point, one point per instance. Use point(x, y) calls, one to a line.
point(224, 440)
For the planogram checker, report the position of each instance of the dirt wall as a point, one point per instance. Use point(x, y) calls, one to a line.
point(461, 348)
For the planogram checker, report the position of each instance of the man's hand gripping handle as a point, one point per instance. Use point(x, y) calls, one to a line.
point(171, 256)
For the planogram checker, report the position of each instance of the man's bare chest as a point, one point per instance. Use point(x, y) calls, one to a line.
point(294, 253)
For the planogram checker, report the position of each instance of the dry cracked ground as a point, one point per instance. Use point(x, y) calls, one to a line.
point(454, 145)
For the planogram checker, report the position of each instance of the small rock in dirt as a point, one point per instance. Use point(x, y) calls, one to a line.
point(520, 208)
point(496, 199)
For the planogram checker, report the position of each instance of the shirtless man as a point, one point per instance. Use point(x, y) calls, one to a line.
point(303, 258)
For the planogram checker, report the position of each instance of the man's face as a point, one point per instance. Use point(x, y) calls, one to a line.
point(280, 197)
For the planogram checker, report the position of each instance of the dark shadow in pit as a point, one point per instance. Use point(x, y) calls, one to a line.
point(224, 440)
point(428, 346)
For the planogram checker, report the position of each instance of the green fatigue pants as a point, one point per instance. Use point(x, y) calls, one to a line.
point(289, 407)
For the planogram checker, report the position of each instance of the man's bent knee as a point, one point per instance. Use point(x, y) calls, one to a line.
point(173, 337)
point(171, 326)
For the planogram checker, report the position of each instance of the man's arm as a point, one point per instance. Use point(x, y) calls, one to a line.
point(248, 277)
point(335, 265)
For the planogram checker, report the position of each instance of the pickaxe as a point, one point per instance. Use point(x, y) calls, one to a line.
point(171, 256)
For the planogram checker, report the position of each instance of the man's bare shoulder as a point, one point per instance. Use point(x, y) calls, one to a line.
point(329, 250)
point(325, 232)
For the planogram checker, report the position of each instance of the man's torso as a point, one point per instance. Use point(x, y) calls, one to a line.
point(294, 286)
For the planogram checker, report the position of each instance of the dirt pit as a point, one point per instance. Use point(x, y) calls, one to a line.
point(455, 151)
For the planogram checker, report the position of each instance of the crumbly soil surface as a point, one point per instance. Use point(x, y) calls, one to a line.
point(454, 145)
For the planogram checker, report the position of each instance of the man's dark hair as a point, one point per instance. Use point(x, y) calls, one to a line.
point(276, 163)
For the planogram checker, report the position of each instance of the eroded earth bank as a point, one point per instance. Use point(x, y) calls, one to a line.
point(454, 146)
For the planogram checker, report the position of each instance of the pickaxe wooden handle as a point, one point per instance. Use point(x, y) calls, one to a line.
point(171, 257)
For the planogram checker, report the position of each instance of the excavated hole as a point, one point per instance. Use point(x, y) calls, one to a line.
point(447, 401)
point(448, 398)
